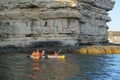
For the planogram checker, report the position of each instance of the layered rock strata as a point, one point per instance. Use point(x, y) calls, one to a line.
point(65, 22)
point(114, 37)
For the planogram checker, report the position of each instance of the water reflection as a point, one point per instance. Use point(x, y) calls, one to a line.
point(36, 70)
point(52, 69)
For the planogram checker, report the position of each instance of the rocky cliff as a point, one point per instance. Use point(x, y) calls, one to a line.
point(114, 37)
point(61, 22)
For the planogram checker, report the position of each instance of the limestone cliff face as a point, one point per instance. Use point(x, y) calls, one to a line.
point(114, 37)
point(70, 22)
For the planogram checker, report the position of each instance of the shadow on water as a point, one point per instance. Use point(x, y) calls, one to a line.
point(18, 66)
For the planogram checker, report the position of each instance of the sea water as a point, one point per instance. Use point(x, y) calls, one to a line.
point(18, 66)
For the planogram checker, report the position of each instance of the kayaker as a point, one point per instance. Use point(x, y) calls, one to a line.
point(36, 53)
point(55, 54)
point(43, 54)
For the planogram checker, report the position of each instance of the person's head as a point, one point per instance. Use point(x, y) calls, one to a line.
point(37, 50)
point(43, 51)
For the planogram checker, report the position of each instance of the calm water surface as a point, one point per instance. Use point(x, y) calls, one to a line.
point(17, 66)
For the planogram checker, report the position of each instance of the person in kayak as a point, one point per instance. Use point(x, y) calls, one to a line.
point(36, 53)
point(43, 54)
point(55, 54)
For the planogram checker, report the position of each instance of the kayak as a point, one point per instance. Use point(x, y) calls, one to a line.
point(37, 57)
point(49, 56)
point(52, 56)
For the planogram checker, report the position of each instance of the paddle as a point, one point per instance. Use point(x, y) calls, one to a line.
point(58, 52)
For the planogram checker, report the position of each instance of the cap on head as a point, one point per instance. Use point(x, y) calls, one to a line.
point(43, 51)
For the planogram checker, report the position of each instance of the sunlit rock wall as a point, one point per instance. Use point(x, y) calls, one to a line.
point(69, 22)
point(114, 37)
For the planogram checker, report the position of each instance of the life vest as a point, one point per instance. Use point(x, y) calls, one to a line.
point(36, 54)
point(33, 54)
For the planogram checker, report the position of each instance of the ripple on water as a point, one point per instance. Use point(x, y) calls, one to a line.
point(73, 67)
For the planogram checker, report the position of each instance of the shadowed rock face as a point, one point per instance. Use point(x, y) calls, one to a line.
point(68, 22)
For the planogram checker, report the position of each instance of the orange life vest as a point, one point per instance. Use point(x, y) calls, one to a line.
point(36, 54)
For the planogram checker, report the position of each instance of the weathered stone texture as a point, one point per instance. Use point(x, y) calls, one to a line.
point(114, 37)
point(71, 22)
